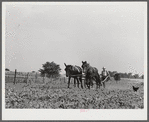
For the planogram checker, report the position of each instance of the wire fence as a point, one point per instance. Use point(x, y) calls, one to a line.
point(28, 77)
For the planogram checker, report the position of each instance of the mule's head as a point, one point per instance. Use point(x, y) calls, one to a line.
point(68, 69)
point(84, 65)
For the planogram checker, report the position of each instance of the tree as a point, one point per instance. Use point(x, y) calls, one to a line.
point(7, 69)
point(136, 76)
point(129, 75)
point(117, 77)
point(142, 76)
point(110, 73)
point(42, 72)
point(33, 72)
point(50, 69)
point(121, 75)
point(125, 75)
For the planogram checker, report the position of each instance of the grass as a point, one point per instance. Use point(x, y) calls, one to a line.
point(55, 95)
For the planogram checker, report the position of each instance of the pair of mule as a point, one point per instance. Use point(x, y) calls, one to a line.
point(76, 72)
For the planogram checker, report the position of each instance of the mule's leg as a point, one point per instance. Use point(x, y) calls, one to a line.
point(93, 79)
point(97, 83)
point(77, 82)
point(81, 82)
point(69, 81)
point(89, 83)
point(83, 79)
point(104, 84)
point(84, 83)
point(74, 82)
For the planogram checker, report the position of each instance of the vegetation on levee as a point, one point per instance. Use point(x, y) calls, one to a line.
point(56, 95)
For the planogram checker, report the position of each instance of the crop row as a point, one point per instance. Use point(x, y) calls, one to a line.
point(42, 96)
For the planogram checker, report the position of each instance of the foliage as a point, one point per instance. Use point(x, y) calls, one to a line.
point(129, 75)
point(136, 76)
point(125, 75)
point(50, 69)
point(7, 69)
point(142, 76)
point(112, 73)
point(117, 77)
point(56, 95)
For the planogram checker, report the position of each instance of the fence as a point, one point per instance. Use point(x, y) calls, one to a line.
point(27, 77)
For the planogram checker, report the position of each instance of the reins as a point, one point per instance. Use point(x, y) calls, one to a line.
point(83, 74)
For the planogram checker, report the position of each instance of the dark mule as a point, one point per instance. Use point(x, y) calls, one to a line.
point(74, 72)
point(91, 74)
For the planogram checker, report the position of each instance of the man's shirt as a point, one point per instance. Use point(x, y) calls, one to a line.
point(104, 73)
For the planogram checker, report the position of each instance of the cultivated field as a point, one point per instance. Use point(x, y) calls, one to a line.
point(55, 95)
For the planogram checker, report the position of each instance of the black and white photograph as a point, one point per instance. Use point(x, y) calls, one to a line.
point(74, 60)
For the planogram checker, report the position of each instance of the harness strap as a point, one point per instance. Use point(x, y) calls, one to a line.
point(83, 76)
point(77, 68)
point(76, 75)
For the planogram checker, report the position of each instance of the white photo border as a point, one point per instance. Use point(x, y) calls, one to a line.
point(72, 114)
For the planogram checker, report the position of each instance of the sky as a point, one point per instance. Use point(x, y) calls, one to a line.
point(106, 34)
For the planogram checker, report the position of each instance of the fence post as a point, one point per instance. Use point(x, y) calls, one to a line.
point(27, 77)
point(8, 78)
point(43, 78)
point(36, 76)
point(15, 76)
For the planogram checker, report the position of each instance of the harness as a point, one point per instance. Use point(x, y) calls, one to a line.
point(77, 68)
point(83, 75)
point(78, 75)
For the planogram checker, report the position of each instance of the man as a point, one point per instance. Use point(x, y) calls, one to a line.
point(105, 74)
